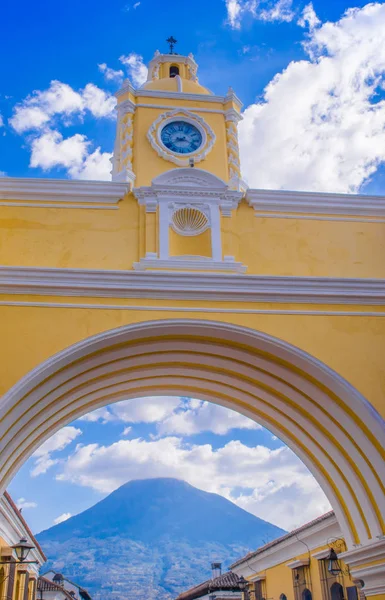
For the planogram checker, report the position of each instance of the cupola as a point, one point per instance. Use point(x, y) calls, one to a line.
point(174, 73)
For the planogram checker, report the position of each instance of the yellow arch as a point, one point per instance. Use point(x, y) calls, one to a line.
point(328, 424)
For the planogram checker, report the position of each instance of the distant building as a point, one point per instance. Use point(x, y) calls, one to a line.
point(18, 580)
point(220, 587)
point(305, 564)
point(55, 586)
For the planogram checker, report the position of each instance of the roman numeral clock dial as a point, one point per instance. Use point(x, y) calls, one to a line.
point(181, 137)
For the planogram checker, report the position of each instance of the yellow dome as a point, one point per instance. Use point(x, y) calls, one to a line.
point(175, 84)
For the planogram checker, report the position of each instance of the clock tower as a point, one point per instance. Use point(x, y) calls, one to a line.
point(177, 146)
point(172, 121)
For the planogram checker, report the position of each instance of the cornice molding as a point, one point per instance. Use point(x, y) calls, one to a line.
point(61, 191)
point(373, 578)
point(294, 564)
point(364, 554)
point(315, 203)
point(190, 286)
point(140, 93)
point(200, 263)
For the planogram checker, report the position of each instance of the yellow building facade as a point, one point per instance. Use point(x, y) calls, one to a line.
point(297, 566)
point(174, 278)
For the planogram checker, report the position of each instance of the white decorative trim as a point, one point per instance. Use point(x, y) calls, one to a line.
point(315, 203)
point(189, 264)
point(232, 115)
point(125, 176)
point(61, 190)
point(258, 578)
point(179, 83)
point(127, 88)
point(179, 96)
point(53, 205)
point(373, 578)
point(191, 186)
point(208, 137)
point(299, 217)
point(364, 554)
point(298, 563)
point(191, 286)
point(217, 111)
point(187, 309)
point(322, 554)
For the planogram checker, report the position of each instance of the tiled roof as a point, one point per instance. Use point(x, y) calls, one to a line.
point(46, 585)
point(24, 523)
point(287, 536)
point(227, 581)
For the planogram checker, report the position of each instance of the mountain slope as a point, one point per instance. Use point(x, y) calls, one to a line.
point(152, 539)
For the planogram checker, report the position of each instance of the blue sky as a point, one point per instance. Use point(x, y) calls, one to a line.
point(312, 80)
point(321, 125)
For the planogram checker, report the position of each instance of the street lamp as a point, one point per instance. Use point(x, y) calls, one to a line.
point(243, 586)
point(334, 566)
point(22, 549)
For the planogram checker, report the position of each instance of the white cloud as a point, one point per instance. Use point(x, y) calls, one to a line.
point(98, 102)
point(111, 74)
point(62, 518)
point(279, 11)
point(204, 416)
point(136, 5)
point(41, 107)
point(145, 410)
point(127, 430)
point(321, 123)
point(96, 166)
point(308, 17)
point(281, 488)
point(136, 68)
point(100, 414)
point(173, 415)
point(60, 440)
point(22, 504)
point(3, 174)
point(52, 150)
point(266, 10)
point(1, 121)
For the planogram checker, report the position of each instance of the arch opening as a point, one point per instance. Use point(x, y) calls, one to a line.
point(331, 428)
point(174, 70)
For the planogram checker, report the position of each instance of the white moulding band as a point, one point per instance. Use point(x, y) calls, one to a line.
point(66, 191)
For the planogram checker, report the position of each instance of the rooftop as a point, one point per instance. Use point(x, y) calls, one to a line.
point(284, 537)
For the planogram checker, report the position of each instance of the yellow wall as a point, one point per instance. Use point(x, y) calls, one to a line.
point(115, 239)
point(279, 578)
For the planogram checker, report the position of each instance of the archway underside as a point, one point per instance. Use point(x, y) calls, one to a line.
point(327, 423)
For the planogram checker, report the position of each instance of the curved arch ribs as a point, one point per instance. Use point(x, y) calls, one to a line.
point(326, 422)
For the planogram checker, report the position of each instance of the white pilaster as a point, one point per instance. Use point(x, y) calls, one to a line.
point(163, 231)
point(216, 242)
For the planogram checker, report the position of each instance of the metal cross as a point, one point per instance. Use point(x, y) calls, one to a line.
point(172, 41)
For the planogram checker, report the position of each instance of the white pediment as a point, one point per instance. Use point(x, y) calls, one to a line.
point(189, 177)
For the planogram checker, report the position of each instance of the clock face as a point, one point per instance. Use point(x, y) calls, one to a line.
point(181, 137)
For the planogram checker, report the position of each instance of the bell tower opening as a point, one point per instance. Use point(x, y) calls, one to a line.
point(174, 70)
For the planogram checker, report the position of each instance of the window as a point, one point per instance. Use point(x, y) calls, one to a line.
point(174, 70)
point(301, 583)
point(337, 591)
point(258, 590)
point(306, 594)
point(283, 597)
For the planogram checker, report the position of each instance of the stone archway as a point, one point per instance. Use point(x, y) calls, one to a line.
point(327, 423)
